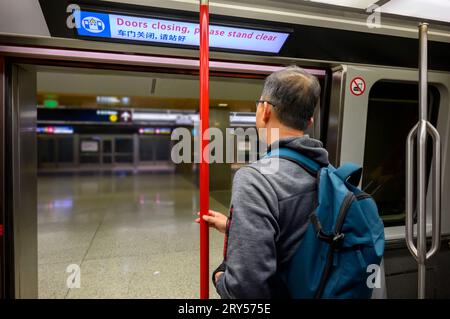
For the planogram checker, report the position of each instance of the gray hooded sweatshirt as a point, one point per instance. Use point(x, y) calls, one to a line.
point(269, 214)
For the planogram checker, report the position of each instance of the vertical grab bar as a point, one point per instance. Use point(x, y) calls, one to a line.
point(420, 131)
point(409, 225)
point(436, 178)
point(204, 162)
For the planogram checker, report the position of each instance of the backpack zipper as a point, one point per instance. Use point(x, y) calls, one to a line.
point(348, 200)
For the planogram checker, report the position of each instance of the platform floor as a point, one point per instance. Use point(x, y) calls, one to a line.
point(133, 236)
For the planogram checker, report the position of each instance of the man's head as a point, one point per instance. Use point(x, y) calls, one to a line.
point(288, 100)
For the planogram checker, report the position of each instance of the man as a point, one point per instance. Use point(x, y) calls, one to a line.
point(269, 213)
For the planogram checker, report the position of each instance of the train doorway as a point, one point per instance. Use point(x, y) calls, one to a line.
point(114, 215)
point(98, 208)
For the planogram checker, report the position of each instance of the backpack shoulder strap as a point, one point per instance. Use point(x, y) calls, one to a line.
point(289, 154)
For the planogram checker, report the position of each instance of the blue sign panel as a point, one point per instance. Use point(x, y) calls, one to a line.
point(94, 24)
point(105, 25)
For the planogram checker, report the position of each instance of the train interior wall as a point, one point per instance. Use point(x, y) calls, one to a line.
point(394, 104)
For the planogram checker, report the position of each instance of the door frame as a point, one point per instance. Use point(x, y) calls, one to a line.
point(11, 57)
point(19, 178)
point(3, 292)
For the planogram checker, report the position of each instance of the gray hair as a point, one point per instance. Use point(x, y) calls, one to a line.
point(294, 93)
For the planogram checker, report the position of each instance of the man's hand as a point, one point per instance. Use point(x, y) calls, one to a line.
point(216, 220)
point(217, 275)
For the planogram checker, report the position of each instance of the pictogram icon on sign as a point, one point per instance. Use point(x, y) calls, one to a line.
point(125, 116)
point(357, 86)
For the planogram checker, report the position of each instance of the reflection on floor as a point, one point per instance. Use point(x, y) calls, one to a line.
point(132, 235)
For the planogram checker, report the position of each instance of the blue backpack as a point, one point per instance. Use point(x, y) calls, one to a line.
point(345, 236)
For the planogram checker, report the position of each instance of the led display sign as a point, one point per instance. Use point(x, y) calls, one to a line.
point(106, 25)
point(155, 131)
point(54, 130)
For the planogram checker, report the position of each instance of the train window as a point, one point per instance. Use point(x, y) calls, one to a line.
point(107, 159)
point(89, 151)
point(89, 146)
point(124, 158)
point(89, 159)
point(107, 146)
point(393, 107)
point(124, 145)
point(65, 150)
point(145, 149)
point(162, 148)
point(46, 150)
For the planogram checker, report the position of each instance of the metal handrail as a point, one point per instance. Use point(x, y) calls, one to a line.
point(421, 131)
point(409, 192)
point(436, 208)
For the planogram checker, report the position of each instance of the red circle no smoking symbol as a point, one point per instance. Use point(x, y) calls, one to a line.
point(357, 86)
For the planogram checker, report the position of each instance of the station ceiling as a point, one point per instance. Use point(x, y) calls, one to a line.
point(85, 88)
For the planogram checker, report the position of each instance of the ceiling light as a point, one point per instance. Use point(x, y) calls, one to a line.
point(237, 117)
point(438, 10)
point(107, 100)
point(358, 4)
point(143, 116)
point(125, 100)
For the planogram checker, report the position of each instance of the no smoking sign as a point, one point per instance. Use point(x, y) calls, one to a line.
point(357, 86)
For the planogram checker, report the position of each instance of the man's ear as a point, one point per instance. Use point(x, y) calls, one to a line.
point(267, 112)
point(310, 122)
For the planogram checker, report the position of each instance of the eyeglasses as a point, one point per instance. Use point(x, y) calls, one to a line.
point(263, 101)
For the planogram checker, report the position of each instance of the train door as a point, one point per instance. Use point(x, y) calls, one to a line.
point(107, 150)
point(2, 184)
point(90, 151)
point(20, 183)
point(371, 112)
point(123, 150)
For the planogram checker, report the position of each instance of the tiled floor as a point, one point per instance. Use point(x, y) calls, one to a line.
point(133, 236)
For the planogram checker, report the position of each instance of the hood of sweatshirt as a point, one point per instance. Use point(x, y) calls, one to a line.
point(305, 145)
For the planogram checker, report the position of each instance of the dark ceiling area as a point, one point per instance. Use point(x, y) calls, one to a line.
point(305, 42)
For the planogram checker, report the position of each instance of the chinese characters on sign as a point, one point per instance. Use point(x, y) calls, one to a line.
point(179, 33)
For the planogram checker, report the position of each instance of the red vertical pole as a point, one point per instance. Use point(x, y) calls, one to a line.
point(204, 165)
